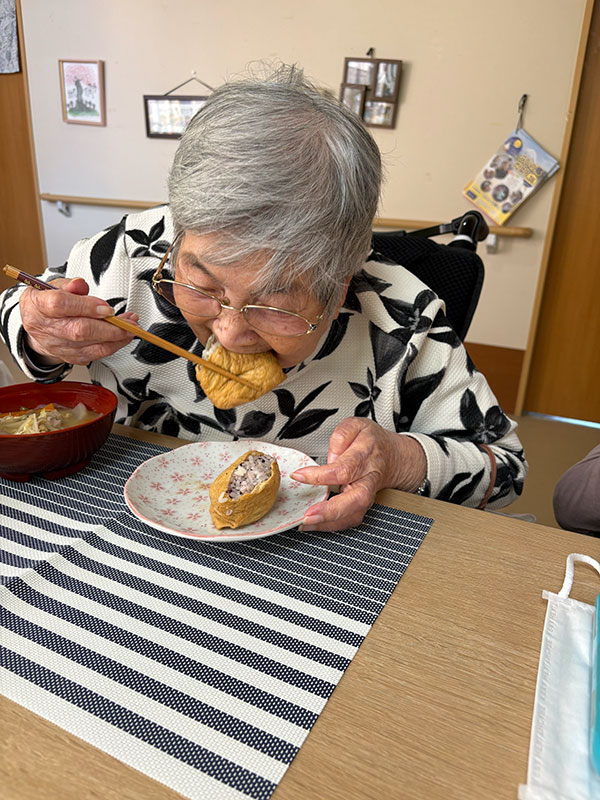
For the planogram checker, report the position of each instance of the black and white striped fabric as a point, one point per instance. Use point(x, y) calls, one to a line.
point(202, 665)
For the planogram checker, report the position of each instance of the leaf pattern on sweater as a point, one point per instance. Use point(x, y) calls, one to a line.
point(365, 281)
point(301, 421)
point(6, 311)
point(441, 331)
point(460, 487)
point(471, 368)
point(414, 394)
point(336, 333)
point(150, 241)
point(410, 315)
point(136, 391)
point(119, 304)
point(177, 334)
point(388, 349)
point(253, 425)
point(163, 307)
point(58, 272)
point(103, 250)
point(477, 426)
point(368, 394)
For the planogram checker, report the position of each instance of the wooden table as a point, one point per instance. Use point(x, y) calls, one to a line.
point(436, 704)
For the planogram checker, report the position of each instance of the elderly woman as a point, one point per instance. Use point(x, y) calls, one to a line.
point(272, 196)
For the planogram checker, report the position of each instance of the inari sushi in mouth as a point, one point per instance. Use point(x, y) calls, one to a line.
point(261, 369)
point(245, 491)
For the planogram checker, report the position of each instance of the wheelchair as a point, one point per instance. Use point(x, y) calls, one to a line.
point(453, 271)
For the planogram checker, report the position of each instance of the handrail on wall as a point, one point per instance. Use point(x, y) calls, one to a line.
point(97, 201)
point(379, 222)
point(415, 224)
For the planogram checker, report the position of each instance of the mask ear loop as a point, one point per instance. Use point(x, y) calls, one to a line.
point(571, 559)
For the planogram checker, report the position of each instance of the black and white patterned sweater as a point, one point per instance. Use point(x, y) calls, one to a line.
point(390, 355)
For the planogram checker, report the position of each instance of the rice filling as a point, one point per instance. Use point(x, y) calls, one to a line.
point(253, 471)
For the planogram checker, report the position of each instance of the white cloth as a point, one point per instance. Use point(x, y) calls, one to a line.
point(560, 767)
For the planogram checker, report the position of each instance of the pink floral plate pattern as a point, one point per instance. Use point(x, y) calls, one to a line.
point(170, 491)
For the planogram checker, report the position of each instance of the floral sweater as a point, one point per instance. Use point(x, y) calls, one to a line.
point(390, 355)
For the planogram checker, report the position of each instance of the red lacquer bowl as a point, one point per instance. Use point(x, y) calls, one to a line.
point(58, 453)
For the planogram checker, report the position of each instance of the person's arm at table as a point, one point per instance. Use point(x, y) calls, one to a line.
point(576, 497)
point(49, 331)
point(446, 414)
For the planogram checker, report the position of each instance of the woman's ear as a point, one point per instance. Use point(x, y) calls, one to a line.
point(342, 299)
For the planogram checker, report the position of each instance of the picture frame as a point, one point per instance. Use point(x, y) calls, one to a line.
point(167, 116)
point(379, 114)
point(370, 87)
point(353, 97)
point(82, 91)
point(359, 71)
point(387, 80)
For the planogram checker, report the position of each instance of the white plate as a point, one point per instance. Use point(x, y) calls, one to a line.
point(170, 491)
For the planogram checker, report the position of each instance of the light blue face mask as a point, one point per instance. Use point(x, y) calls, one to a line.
point(560, 765)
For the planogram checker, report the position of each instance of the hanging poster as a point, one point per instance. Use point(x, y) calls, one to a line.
point(516, 170)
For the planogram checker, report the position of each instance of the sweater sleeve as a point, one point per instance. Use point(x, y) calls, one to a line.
point(577, 496)
point(447, 405)
point(103, 262)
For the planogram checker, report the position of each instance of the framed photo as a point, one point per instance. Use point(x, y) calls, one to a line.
point(359, 71)
point(352, 96)
point(168, 116)
point(379, 114)
point(82, 92)
point(370, 88)
point(387, 80)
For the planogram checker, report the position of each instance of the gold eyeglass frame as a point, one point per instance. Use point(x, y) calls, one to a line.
point(157, 279)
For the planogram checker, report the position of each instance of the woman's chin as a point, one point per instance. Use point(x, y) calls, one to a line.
point(285, 362)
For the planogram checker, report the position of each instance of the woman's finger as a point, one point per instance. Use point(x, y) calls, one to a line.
point(64, 303)
point(316, 476)
point(344, 510)
point(81, 331)
point(350, 446)
point(346, 469)
point(343, 437)
point(75, 340)
point(75, 286)
point(130, 316)
point(74, 353)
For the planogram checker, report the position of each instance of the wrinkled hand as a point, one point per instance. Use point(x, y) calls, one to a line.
point(67, 325)
point(363, 458)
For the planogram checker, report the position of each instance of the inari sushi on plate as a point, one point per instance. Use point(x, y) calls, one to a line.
point(245, 491)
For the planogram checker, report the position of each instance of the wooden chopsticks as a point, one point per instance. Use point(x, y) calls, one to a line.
point(36, 283)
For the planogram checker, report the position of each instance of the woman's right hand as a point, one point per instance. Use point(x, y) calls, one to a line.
point(67, 325)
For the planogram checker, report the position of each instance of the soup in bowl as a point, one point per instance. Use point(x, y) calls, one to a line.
point(52, 429)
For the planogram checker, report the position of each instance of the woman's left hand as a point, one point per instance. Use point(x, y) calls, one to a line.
point(363, 458)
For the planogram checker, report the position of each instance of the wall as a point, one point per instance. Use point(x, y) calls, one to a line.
point(465, 67)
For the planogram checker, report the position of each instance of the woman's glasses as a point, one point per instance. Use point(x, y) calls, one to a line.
point(266, 319)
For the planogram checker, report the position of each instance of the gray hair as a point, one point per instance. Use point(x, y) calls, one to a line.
point(276, 166)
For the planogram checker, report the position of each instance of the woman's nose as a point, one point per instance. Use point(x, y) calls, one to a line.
point(232, 330)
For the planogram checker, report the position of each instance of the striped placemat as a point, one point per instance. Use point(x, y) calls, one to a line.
point(201, 664)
